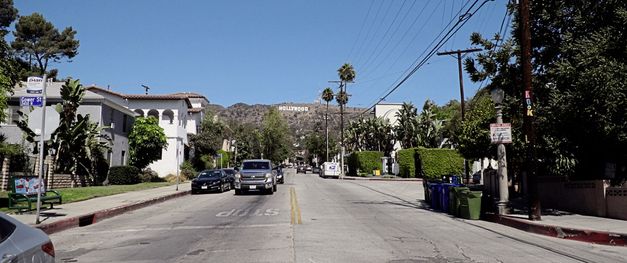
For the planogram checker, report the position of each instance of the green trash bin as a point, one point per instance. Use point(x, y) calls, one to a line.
point(470, 205)
point(455, 199)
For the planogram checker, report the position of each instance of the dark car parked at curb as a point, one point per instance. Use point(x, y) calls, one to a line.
point(256, 175)
point(301, 169)
point(211, 180)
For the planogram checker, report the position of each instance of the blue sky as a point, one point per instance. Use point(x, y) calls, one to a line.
point(265, 51)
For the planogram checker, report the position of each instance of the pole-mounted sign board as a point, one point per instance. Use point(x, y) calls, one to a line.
point(31, 101)
point(35, 86)
point(501, 132)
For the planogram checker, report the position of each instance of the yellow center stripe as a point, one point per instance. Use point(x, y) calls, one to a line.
point(295, 209)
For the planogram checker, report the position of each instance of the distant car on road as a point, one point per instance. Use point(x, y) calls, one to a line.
point(230, 174)
point(330, 169)
point(22, 243)
point(315, 170)
point(301, 169)
point(308, 168)
point(256, 175)
point(280, 177)
point(211, 180)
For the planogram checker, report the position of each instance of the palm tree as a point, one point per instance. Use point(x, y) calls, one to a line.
point(406, 130)
point(346, 74)
point(327, 95)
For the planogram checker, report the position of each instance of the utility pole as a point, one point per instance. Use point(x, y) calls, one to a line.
point(528, 119)
point(461, 92)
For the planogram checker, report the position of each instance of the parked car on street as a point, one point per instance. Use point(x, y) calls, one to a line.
point(301, 169)
point(256, 175)
point(308, 168)
point(315, 170)
point(211, 180)
point(230, 174)
point(22, 243)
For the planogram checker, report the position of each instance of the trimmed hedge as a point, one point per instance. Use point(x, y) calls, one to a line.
point(365, 162)
point(122, 175)
point(407, 163)
point(430, 163)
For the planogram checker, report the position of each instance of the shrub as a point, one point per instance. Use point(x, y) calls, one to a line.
point(121, 175)
point(407, 163)
point(148, 175)
point(430, 163)
point(226, 158)
point(170, 178)
point(365, 162)
point(187, 171)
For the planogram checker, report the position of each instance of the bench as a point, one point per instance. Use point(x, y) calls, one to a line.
point(23, 196)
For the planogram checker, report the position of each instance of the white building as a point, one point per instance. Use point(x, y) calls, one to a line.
point(388, 111)
point(177, 115)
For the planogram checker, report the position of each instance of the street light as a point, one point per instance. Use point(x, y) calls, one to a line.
point(497, 97)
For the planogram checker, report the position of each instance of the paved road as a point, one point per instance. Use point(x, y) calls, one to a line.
point(310, 219)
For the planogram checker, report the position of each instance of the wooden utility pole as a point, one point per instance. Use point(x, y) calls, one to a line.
point(528, 120)
point(461, 92)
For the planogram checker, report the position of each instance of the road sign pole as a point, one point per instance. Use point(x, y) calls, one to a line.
point(42, 155)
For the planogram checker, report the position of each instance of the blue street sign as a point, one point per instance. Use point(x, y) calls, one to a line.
point(31, 101)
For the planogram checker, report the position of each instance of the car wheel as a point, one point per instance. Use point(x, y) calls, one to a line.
point(270, 191)
point(194, 192)
point(221, 190)
point(274, 188)
point(238, 191)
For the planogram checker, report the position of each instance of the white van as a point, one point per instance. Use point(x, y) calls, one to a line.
point(330, 169)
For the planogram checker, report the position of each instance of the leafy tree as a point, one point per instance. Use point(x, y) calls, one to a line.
point(371, 134)
point(209, 140)
point(276, 137)
point(8, 66)
point(429, 128)
point(146, 141)
point(38, 39)
point(406, 130)
point(579, 71)
point(247, 142)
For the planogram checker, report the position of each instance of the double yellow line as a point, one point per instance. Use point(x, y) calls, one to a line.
point(295, 209)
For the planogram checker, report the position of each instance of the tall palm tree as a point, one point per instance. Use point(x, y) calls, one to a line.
point(346, 74)
point(406, 130)
point(327, 95)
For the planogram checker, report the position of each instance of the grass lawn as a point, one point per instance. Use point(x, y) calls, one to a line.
point(83, 193)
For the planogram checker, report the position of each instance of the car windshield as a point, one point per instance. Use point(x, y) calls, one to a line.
point(209, 174)
point(256, 165)
point(229, 171)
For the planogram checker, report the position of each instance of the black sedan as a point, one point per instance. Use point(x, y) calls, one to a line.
point(230, 174)
point(211, 180)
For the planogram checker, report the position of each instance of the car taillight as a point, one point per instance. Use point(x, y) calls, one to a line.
point(48, 248)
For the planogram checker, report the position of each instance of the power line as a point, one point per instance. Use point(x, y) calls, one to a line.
point(458, 25)
point(360, 30)
point(360, 52)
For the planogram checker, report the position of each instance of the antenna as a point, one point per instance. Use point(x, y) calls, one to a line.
point(146, 88)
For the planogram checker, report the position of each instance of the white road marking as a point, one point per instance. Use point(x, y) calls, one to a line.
point(247, 212)
point(175, 228)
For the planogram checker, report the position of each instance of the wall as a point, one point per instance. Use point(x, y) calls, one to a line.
point(583, 197)
point(119, 134)
point(168, 164)
point(617, 202)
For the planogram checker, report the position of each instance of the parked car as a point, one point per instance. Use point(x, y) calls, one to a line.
point(22, 243)
point(308, 168)
point(315, 170)
point(301, 169)
point(211, 180)
point(256, 175)
point(230, 174)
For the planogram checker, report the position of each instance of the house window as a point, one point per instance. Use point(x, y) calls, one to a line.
point(11, 115)
point(123, 160)
point(124, 121)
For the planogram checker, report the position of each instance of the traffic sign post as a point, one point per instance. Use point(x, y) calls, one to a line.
point(33, 84)
point(501, 132)
point(31, 101)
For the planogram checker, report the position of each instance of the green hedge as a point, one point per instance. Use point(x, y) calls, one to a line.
point(407, 163)
point(365, 162)
point(122, 175)
point(430, 163)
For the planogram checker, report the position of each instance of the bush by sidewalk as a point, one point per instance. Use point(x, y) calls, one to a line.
point(122, 175)
point(429, 163)
point(365, 162)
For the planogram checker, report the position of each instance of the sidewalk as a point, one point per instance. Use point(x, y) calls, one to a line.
point(382, 178)
point(87, 212)
point(591, 229)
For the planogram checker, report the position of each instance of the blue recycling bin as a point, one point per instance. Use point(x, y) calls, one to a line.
point(436, 196)
point(444, 200)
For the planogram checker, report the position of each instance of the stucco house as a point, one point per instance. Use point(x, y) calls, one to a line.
point(178, 115)
point(108, 113)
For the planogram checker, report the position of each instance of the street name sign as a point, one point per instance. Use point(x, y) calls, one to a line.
point(501, 132)
point(35, 86)
point(31, 101)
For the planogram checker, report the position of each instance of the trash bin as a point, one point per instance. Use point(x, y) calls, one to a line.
point(427, 192)
point(436, 195)
point(445, 199)
point(470, 205)
point(455, 199)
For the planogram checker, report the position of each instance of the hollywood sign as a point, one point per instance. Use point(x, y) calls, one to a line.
point(294, 108)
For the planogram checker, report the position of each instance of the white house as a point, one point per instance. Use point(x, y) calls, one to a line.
point(388, 111)
point(177, 115)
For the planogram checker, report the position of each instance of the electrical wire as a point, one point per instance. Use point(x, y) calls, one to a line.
point(360, 30)
point(454, 29)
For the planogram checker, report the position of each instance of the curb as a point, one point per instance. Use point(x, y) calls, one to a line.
point(589, 236)
point(382, 179)
point(91, 218)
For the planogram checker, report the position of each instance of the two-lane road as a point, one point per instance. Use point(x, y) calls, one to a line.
point(310, 219)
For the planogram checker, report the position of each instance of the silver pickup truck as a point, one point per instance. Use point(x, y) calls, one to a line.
point(256, 175)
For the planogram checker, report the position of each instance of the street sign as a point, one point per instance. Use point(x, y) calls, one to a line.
point(52, 121)
point(31, 101)
point(35, 86)
point(501, 132)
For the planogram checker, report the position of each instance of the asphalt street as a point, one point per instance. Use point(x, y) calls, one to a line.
point(310, 219)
